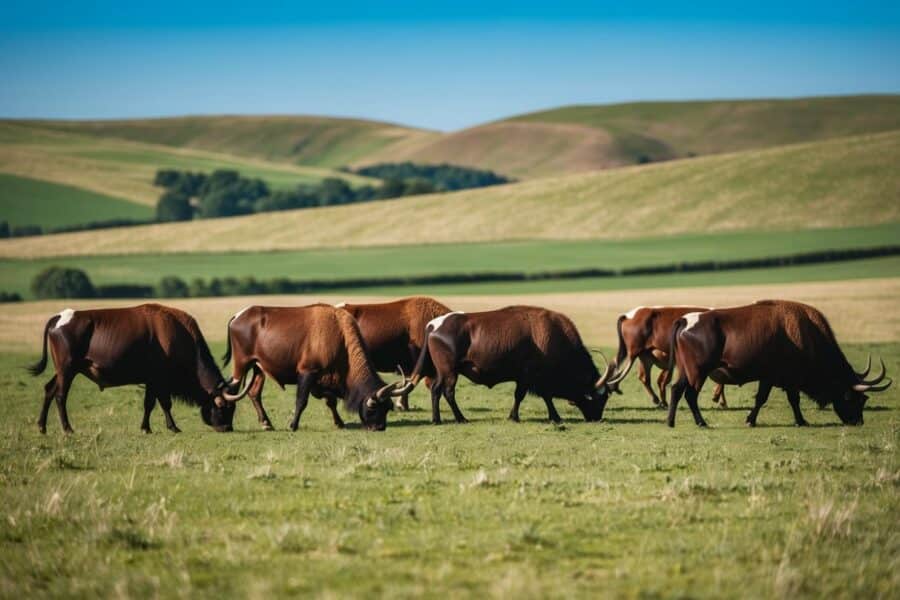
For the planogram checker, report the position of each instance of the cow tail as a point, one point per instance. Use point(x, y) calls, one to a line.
point(38, 367)
point(673, 341)
point(227, 356)
point(621, 355)
point(423, 362)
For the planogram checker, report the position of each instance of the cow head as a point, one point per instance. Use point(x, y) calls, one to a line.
point(374, 409)
point(218, 414)
point(592, 403)
point(850, 404)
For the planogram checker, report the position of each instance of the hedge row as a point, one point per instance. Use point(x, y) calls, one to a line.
point(54, 282)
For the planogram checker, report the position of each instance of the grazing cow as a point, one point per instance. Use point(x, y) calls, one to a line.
point(644, 334)
point(776, 342)
point(319, 348)
point(395, 333)
point(538, 349)
point(154, 345)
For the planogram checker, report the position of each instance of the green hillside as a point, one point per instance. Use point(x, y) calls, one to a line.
point(25, 201)
point(837, 183)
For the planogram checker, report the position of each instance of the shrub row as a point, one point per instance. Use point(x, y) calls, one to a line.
point(56, 282)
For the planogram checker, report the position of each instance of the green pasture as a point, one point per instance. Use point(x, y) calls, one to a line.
point(526, 256)
point(623, 508)
point(25, 201)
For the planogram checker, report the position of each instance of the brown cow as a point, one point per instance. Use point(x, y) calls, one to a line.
point(154, 345)
point(319, 348)
point(538, 349)
point(644, 334)
point(395, 333)
point(776, 342)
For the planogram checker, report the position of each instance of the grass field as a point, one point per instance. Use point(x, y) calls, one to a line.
point(623, 508)
point(125, 169)
point(531, 257)
point(838, 183)
point(25, 201)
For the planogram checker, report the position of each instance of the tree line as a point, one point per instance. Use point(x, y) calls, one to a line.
point(226, 193)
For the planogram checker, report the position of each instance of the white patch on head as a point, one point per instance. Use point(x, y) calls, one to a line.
point(240, 312)
point(64, 317)
point(691, 319)
point(630, 314)
point(435, 323)
point(340, 305)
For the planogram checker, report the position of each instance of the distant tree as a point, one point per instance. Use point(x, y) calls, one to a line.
point(62, 282)
point(174, 206)
point(167, 178)
point(413, 187)
point(26, 230)
point(392, 188)
point(10, 297)
point(172, 287)
point(4, 229)
point(220, 203)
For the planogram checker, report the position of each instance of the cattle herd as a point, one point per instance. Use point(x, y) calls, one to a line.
point(338, 351)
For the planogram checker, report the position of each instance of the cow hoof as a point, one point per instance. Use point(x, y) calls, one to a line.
point(514, 419)
point(146, 430)
point(294, 427)
point(68, 431)
point(723, 405)
point(42, 429)
point(433, 422)
point(802, 424)
point(267, 427)
point(173, 430)
point(671, 423)
point(662, 406)
point(702, 424)
point(751, 423)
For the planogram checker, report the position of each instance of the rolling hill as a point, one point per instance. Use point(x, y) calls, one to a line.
point(546, 143)
point(105, 178)
point(584, 138)
point(835, 183)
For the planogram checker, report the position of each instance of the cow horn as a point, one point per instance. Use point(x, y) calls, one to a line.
point(620, 374)
point(610, 369)
point(868, 387)
point(384, 392)
point(235, 397)
point(878, 378)
point(867, 369)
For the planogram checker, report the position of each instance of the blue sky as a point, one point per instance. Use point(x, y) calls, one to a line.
point(436, 65)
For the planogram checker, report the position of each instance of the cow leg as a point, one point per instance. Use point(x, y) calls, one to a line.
point(551, 410)
point(519, 395)
point(63, 384)
point(304, 383)
point(331, 403)
point(677, 392)
point(255, 393)
point(49, 394)
point(794, 398)
point(644, 376)
point(450, 395)
point(691, 394)
point(437, 389)
point(719, 396)
point(762, 394)
point(149, 403)
point(165, 402)
point(662, 382)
